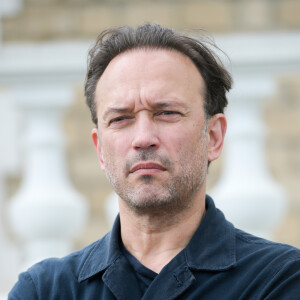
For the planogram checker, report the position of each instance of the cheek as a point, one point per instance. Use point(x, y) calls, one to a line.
point(114, 147)
point(183, 136)
point(177, 143)
point(186, 143)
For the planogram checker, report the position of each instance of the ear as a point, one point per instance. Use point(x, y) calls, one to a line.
point(216, 132)
point(96, 142)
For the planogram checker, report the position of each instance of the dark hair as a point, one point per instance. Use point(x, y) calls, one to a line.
point(114, 41)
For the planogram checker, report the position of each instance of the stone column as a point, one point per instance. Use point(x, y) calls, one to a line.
point(47, 213)
point(246, 192)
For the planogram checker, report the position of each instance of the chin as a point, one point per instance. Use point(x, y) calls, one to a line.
point(148, 201)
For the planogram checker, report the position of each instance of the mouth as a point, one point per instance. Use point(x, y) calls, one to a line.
point(147, 168)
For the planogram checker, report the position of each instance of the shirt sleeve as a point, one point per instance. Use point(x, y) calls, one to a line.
point(24, 289)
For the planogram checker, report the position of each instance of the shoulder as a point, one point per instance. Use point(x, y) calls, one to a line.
point(52, 273)
point(246, 242)
point(276, 265)
point(69, 265)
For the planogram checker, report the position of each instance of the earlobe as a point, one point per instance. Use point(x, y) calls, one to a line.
point(97, 146)
point(216, 130)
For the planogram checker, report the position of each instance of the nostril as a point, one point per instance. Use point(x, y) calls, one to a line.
point(141, 147)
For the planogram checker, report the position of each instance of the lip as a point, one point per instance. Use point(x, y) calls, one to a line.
point(147, 167)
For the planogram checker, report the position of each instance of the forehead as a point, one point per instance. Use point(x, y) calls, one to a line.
point(148, 59)
point(149, 73)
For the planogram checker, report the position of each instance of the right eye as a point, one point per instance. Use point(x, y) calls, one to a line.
point(118, 121)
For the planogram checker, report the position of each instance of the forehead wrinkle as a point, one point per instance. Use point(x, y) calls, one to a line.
point(116, 105)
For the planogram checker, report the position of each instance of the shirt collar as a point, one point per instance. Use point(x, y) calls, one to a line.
point(213, 245)
point(104, 253)
point(211, 248)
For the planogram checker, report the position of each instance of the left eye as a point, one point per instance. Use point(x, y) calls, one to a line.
point(167, 112)
point(168, 115)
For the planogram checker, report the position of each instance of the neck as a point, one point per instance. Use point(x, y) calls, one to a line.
point(154, 239)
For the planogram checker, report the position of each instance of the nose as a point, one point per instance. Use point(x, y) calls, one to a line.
point(145, 134)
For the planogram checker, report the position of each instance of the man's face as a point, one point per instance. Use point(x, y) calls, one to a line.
point(153, 137)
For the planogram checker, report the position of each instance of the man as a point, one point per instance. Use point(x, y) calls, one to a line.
point(157, 99)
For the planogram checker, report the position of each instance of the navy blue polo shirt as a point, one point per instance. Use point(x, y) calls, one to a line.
point(220, 262)
point(143, 275)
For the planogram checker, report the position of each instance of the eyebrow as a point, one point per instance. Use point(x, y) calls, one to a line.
point(116, 110)
point(167, 104)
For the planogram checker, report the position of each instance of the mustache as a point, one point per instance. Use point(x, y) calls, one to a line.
point(148, 155)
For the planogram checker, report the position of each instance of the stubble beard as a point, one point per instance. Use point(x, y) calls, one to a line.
point(166, 197)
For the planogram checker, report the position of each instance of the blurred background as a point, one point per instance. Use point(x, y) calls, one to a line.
point(53, 196)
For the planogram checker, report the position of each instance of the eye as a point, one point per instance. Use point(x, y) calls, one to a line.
point(168, 114)
point(119, 120)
